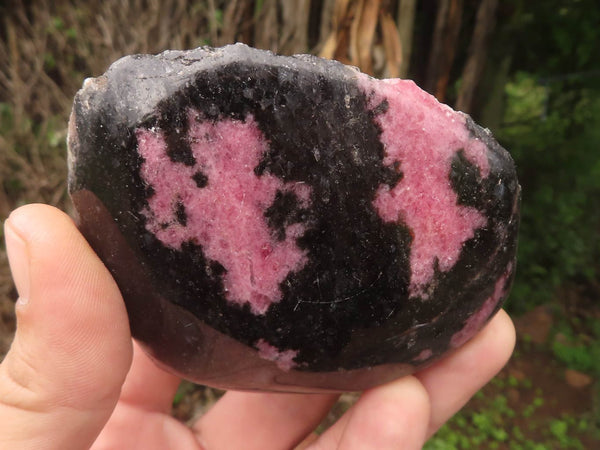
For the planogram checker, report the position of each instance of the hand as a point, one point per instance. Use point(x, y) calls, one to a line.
point(72, 378)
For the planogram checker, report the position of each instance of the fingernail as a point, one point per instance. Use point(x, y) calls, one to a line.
point(18, 257)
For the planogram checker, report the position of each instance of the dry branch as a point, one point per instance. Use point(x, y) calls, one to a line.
point(443, 48)
point(473, 69)
point(406, 23)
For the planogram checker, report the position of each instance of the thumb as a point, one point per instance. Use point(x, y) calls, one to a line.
point(62, 376)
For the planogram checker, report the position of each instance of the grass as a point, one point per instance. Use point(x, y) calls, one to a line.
point(490, 421)
point(577, 345)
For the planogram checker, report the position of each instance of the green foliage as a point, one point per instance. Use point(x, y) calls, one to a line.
point(553, 131)
point(494, 424)
point(579, 351)
point(472, 429)
point(557, 35)
point(563, 429)
point(549, 119)
point(579, 357)
point(32, 164)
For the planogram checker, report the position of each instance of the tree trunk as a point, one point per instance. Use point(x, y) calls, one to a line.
point(406, 22)
point(237, 19)
point(443, 48)
point(491, 110)
point(336, 13)
point(362, 34)
point(266, 26)
point(327, 24)
point(294, 27)
point(486, 15)
point(391, 45)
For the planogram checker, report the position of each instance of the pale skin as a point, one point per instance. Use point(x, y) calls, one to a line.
point(73, 377)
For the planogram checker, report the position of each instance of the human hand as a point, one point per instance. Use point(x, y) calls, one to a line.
point(72, 378)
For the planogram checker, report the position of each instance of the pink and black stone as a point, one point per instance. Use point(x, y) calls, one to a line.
point(288, 223)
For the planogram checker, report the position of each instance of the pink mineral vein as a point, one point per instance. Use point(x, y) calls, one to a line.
point(421, 137)
point(476, 321)
point(284, 359)
point(226, 217)
point(425, 354)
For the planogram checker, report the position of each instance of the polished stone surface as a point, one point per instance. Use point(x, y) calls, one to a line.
point(288, 223)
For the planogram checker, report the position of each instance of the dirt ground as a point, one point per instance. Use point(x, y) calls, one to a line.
point(532, 374)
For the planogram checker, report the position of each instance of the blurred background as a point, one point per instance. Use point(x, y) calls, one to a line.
point(529, 71)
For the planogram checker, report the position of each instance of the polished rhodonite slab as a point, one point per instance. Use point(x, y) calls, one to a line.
point(289, 223)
